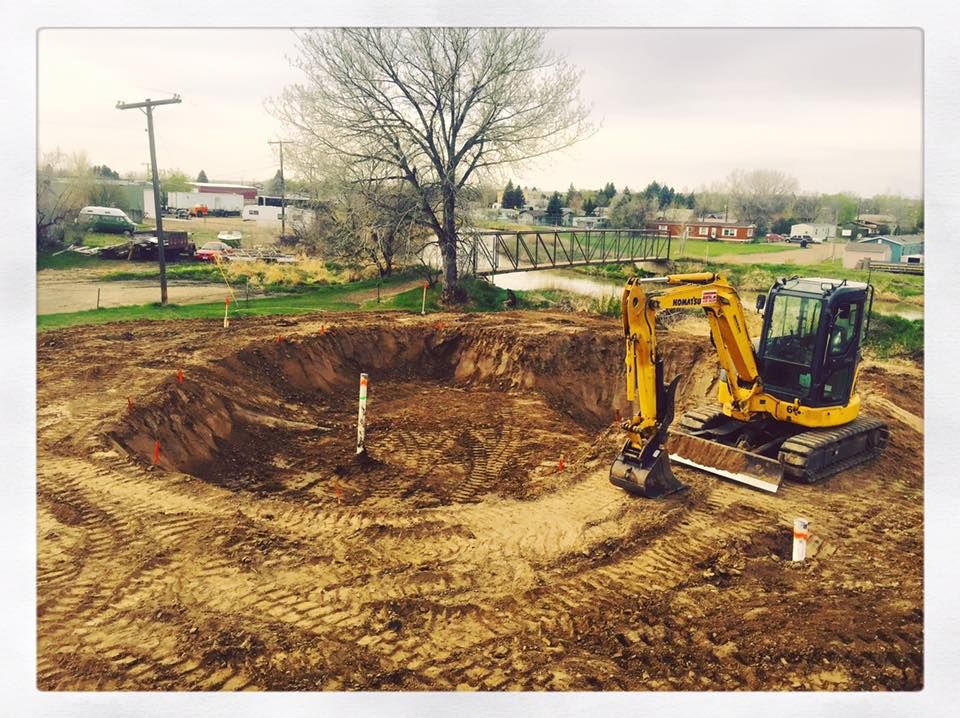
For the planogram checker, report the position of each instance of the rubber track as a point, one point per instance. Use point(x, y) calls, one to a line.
point(799, 451)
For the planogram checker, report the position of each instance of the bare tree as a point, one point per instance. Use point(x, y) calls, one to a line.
point(376, 221)
point(435, 108)
point(758, 195)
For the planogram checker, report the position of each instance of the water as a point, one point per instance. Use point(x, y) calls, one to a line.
point(565, 280)
point(599, 288)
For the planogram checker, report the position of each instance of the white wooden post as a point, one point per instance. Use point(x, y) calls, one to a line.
point(226, 313)
point(423, 305)
point(362, 415)
point(800, 535)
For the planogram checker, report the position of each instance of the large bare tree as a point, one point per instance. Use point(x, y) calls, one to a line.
point(759, 195)
point(435, 108)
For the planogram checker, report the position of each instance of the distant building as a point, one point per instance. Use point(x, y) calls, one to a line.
point(904, 245)
point(874, 224)
point(819, 232)
point(248, 193)
point(857, 255)
point(706, 229)
point(588, 222)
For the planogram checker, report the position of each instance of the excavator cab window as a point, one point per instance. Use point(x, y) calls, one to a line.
point(790, 341)
point(843, 346)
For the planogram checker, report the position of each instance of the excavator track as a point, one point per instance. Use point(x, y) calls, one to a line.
point(814, 455)
point(811, 455)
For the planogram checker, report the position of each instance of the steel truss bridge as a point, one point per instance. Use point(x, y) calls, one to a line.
point(491, 252)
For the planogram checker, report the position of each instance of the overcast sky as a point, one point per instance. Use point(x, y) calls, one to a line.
point(838, 109)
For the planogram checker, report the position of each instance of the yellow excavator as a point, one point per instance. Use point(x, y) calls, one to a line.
point(788, 404)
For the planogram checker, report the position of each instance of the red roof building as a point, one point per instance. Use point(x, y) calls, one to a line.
point(247, 192)
point(706, 229)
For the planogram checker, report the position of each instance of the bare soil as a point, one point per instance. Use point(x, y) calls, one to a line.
point(479, 545)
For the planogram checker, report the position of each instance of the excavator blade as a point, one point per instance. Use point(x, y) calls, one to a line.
point(754, 470)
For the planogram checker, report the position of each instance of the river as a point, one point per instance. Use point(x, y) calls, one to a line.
point(570, 281)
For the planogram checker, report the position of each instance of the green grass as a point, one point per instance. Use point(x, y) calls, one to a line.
point(760, 277)
point(293, 301)
point(201, 272)
point(68, 260)
point(696, 248)
point(481, 297)
point(103, 239)
point(894, 336)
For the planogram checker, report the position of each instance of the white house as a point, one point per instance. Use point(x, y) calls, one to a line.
point(819, 232)
point(590, 222)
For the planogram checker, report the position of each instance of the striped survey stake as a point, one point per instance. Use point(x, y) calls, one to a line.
point(226, 313)
point(800, 536)
point(362, 415)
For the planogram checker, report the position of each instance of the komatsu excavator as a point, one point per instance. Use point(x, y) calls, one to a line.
point(788, 404)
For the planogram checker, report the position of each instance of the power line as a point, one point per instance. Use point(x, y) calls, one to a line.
point(283, 188)
point(147, 108)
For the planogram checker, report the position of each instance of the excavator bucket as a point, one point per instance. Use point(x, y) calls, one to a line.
point(644, 473)
point(754, 470)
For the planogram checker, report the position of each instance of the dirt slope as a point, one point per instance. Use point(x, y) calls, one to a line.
point(261, 554)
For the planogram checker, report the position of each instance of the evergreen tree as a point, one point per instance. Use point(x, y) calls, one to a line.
point(105, 172)
point(555, 209)
point(518, 199)
point(507, 201)
point(571, 193)
point(609, 190)
point(202, 177)
point(589, 206)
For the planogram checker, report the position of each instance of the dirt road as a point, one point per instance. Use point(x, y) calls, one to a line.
point(260, 553)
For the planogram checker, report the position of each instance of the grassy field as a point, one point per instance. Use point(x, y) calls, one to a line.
point(70, 260)
point(759, 277)
point(329, 298)
point(698, 248)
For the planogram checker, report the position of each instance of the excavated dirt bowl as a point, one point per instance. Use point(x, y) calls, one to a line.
point(453, 413)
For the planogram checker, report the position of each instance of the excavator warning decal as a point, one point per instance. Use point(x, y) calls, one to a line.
point(709, 296)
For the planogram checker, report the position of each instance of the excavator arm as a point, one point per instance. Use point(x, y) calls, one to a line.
point(721, 304)
point(643, 466)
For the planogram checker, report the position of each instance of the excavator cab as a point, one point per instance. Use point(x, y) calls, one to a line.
point(811, 338)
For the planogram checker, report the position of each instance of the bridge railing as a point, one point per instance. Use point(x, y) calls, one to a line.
point(493, 251)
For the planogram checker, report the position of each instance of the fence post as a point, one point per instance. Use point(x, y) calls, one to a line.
point(800, 535)
point(362, 416)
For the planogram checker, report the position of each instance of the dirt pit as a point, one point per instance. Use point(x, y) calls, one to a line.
point(478, 545)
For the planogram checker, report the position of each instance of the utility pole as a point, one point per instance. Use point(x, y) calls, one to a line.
point(283, 189)
point(147, 108)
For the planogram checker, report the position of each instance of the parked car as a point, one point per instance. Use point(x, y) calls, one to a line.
point(105, 219)
point(802, 239)
point(210, 251)
point(183, 214)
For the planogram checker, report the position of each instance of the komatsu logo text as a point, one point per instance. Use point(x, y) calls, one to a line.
point(692, 301)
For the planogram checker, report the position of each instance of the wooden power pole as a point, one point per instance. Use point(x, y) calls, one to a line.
point(147, 108)
point(283, 189)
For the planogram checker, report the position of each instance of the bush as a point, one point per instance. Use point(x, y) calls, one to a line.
point(892, 336)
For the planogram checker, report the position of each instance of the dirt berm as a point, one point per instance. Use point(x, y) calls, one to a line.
point(478, 544)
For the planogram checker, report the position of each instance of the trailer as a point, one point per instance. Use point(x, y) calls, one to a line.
point(218, 204)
